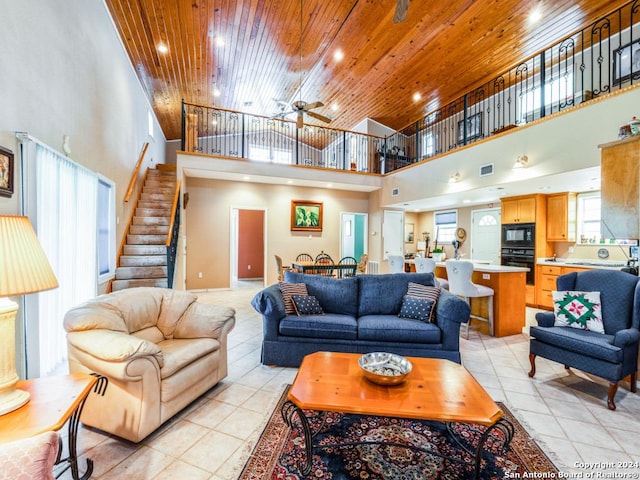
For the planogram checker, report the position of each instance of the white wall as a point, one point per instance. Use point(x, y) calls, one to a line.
point(65, 72)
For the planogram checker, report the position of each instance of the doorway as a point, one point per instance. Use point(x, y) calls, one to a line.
point(248, 245)
point(353, 234)
point(485, 235)
point(393, 233)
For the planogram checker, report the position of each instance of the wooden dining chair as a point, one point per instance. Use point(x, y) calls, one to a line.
point(324, 260)
point(281, 268)
point(342, 273)
point(304, 257)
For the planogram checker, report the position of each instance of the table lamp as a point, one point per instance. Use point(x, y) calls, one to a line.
point(24, 268)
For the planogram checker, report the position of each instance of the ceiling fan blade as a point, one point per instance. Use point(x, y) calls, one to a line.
point(401, 11)
point(310, 106)
point(299, 120)
point(322, 118)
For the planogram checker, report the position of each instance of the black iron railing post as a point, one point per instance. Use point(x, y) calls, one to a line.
point(543, 83)
point(182, 125)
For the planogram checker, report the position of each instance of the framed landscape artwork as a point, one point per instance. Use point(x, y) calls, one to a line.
point(6, 172)
point(306, 216)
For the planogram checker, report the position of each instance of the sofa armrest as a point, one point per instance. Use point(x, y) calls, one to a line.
point(625, 337)
point(545, 319)
point(203, 320)
point(270, 304)
point(451, 311)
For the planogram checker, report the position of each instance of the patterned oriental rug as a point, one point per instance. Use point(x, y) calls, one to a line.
point(280, 449)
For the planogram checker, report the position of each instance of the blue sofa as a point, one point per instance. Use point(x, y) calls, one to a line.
point(360, 316)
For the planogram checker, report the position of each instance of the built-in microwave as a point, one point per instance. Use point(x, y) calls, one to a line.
point(520, 235)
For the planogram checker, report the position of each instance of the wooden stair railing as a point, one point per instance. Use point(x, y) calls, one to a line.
point(136, 172)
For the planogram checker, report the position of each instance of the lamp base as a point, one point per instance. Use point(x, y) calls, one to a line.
point(12, 400)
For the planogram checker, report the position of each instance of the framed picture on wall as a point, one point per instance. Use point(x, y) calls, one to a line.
point(474, 128)
point(626, 60)
point(306, 216)
point(6, 172)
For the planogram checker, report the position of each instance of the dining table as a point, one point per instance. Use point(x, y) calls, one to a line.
point(312, 267)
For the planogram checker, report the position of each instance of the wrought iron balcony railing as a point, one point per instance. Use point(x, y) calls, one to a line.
point(585, 65)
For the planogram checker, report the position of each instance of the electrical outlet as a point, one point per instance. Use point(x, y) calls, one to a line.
point(486, 276)
point(570, 249)
point(248, 267)
point(199, 274)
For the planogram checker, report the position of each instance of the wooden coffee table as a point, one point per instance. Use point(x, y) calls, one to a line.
point(438, 390)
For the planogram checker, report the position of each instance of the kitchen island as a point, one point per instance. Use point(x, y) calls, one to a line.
point(509, 303)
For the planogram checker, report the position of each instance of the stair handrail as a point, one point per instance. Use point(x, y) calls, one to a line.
point(172, 235)
point(134, 177)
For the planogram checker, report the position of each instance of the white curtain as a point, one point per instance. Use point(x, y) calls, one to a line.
point(63, 209)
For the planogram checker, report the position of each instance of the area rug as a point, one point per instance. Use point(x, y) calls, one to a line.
point(279, 450)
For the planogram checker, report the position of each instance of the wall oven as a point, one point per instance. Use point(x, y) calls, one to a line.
point(520, 257)
point(518, 235)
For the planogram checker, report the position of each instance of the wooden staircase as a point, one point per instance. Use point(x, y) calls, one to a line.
point(143, 261)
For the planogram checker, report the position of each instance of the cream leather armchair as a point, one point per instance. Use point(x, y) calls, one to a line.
point(159, 348)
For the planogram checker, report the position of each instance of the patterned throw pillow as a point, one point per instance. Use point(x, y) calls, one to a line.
point(578, 310)
point(424, 292)
point(289, 289)
point(307, 305)
point(416, 308)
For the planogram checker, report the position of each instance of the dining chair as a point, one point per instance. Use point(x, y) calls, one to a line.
point(428, 265)
point(323, 255)
point(304, 257)
point(281, 268)
point(459, 274)
point(396, 263)
point(362, 264)
point(342, 273)
point(324, 260)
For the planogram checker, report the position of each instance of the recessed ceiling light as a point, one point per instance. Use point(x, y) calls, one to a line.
point(219, 41)
point(162, 48)
point(338, 55)
point(329, 185)
point(466, 201)
point(334, 106)
point(289, 182)
point(216, 92)
point(416, 96)
point(545, 188)
point(536, 15)
point(246, 177)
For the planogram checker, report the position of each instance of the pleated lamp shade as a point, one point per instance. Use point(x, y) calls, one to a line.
point(24, 267)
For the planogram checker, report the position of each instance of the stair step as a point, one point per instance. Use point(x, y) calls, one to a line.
point(146, 239)
point(145, 249)
point(145, 282)
point(143, 260)
point(151, 220)
point(154, 205)
point(170, 192)
point(156, 197)
point(128, 273)
point(153, 212)
point(149, 230)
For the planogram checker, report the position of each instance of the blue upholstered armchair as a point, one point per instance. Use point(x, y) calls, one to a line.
point(611, 355)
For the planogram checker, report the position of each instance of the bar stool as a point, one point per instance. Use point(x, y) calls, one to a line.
point(460, 284)
point(396, 263)
point(428, 265)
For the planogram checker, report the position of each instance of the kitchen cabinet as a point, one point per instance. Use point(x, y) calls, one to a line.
point(561, 217)
point(620, 188)
point(546, 282)
point(519, 209)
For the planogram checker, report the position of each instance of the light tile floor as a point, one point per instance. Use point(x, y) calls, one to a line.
point(212, 438)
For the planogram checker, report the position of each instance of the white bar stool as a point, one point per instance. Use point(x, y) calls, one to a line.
point(459, 273)
point(428, 265)
point(396, 263)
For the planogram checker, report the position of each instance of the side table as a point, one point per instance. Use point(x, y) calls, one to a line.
point(54, 401)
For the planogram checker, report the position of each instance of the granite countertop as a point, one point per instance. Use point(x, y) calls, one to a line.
point(583, 263)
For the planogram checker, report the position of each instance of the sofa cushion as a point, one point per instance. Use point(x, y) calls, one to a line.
point(336, 295)
point(416, 308)
point(383, 294)
point(425, 292)
point(179, 353)
point(30, 458)
point(288, 289)
point(329, 325)
point(390, 328)
point(578, 310)
point(306, 305)
point(583, 342)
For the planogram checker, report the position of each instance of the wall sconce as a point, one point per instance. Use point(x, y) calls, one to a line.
point(454, 178)
point(521, 161)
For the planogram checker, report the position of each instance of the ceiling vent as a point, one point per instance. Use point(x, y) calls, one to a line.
point(486, 170)
point(395, 192)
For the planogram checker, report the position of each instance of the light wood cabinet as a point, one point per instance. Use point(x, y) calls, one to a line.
point(519, 210)
point(620, 188)
point(546, 282)
point(561, 217)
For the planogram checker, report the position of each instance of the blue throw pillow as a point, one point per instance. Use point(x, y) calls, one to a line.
point(307, 305)
point(416, 308)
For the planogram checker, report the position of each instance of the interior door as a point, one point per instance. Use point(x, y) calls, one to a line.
point(353, 234)
point(485, 235)
point(393, 233)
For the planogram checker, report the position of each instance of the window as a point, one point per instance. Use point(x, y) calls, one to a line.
point(428, 144)
point(106, 229)
point(268, 154)
point(554, 91)
point(589, 217)
point(445, 225)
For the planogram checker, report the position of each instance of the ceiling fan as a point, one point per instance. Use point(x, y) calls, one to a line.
point(300, 107)
point(401, 11)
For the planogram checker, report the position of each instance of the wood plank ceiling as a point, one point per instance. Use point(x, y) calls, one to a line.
point(245, 54)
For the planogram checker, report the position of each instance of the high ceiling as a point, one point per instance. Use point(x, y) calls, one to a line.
point(245, 54)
